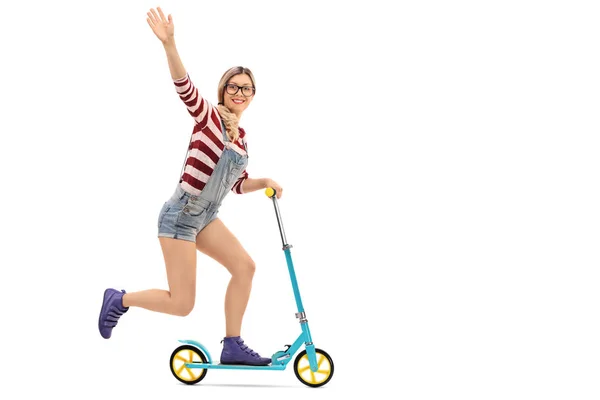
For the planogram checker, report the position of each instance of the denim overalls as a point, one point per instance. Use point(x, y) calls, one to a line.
point(184, 215)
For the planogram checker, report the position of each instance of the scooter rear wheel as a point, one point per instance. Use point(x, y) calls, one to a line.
point(187, 354)
point(321, 376)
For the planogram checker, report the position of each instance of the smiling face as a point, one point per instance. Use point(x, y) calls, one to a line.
point(238, 93)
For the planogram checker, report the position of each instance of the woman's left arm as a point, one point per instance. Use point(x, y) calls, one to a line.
point(248, 185)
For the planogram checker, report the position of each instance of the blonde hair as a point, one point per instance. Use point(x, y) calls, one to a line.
point(230, 119)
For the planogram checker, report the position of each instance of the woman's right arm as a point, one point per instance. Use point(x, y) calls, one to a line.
point(164, 30)
point(196, 105)
point(175, 65)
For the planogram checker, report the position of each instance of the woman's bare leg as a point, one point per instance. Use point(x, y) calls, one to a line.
point(217, 242)
point(180, 261)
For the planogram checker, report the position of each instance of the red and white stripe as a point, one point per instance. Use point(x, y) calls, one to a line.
point(207, 142)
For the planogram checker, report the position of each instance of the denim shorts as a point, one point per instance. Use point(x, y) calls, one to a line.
point(183, 216)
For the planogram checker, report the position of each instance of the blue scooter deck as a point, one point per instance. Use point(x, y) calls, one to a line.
point(233, 366)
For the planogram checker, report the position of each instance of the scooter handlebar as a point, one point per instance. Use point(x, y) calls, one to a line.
point(270, 192)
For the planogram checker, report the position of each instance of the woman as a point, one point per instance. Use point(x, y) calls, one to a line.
point(215, 165)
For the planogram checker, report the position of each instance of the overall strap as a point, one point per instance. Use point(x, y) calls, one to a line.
point(224, 132)
point(226, 138)
point(185, 158)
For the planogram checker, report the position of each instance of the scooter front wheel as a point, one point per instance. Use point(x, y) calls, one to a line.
point(183, 355)
point(321, 376)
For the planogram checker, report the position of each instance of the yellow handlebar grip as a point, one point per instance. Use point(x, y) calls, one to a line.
point(270, 192)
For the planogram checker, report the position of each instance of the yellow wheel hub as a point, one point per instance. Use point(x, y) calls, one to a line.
point(314, 378)
point(187, 355)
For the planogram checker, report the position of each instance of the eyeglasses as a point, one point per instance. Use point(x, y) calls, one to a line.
point(247, 91)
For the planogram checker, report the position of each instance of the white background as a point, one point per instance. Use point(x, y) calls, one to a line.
point(440, 166)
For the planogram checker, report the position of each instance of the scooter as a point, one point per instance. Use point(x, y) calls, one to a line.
point(191, 361)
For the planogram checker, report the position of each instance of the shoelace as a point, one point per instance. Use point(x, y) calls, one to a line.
point(247, 349)
point(112, 317)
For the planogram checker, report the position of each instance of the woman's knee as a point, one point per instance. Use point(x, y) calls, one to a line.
point(182, 306)
point(246, 269)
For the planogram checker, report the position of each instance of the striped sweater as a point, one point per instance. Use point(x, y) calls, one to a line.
point(206, 144)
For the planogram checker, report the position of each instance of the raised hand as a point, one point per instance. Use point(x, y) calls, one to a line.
point(162, 27)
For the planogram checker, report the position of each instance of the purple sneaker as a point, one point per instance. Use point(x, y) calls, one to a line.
point(236, 352)
point(112, 309)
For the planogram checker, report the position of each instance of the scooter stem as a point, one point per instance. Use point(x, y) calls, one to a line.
point(279, 222)
point(270, 192)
